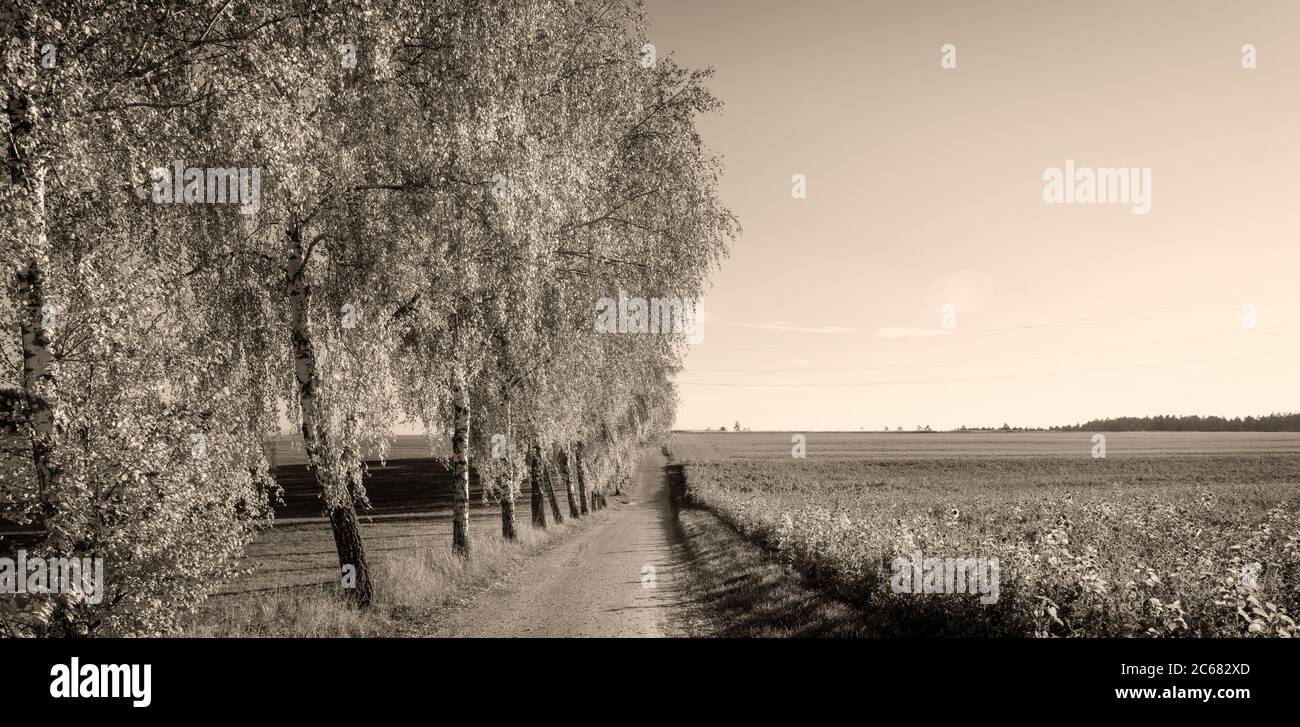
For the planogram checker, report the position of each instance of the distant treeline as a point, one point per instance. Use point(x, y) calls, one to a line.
point(1194, 423)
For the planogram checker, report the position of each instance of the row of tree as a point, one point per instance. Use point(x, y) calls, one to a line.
point(417, 206)
point(1276, 422)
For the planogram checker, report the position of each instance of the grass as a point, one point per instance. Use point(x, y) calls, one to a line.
point(414, 590)
point(290, 588)
point(1154, 540)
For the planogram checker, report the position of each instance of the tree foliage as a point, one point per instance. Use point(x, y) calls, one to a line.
point(444, 190)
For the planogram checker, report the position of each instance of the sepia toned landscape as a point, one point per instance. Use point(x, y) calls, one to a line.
point(692, 319)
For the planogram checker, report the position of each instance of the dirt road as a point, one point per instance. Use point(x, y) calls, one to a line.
point(599, 583)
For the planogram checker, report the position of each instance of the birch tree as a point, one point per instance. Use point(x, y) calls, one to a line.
point(136, 446)
point(315, 285)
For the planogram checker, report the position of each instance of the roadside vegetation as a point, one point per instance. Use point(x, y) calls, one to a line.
point(1136, 545)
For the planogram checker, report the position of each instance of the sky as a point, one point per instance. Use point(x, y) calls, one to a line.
point(925, 188)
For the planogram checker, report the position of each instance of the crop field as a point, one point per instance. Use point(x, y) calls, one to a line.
point(1169, 534)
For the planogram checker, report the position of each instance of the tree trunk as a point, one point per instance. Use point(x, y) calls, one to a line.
point(550, 494)
point(39, 391)
point(352, 552)
point(336, 495)
point(535, 483)
point(582, 478)
point(460, 466)
point(562, 462)
point(508, 521)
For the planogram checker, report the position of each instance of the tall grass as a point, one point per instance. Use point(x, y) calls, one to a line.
point(414, 589)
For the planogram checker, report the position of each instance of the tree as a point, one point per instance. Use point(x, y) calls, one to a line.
point(432, 197)
point(138, 449)
point(318, 290)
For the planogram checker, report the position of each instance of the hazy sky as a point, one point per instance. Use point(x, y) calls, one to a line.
point(925, 188)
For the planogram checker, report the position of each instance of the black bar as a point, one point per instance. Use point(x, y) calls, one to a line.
point(926, 677)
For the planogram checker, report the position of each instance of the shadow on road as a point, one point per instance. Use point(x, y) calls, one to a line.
point(738, 590)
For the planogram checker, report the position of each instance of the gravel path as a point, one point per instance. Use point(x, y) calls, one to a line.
point(598, 583)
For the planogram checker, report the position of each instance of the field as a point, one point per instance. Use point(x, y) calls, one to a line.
point(410, 498)
point(1170, 534)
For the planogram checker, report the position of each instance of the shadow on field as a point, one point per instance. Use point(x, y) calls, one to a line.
point(402, 487)
point(740, 589)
